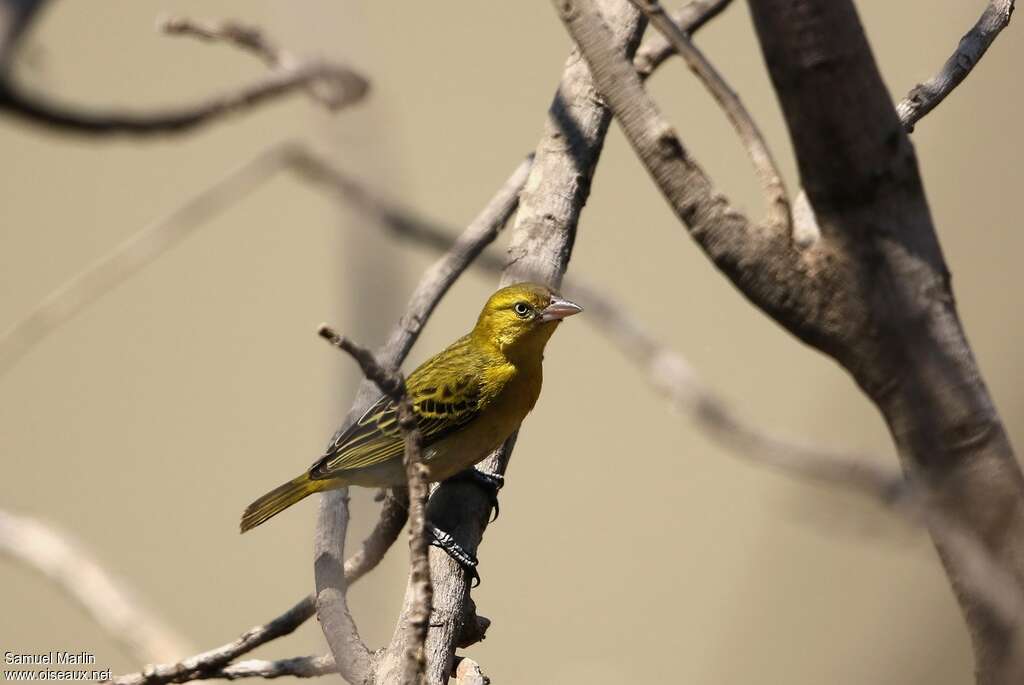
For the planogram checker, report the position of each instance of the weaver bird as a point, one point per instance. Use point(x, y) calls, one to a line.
point(468, 399)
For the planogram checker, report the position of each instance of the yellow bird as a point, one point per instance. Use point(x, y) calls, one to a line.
point(468, 399)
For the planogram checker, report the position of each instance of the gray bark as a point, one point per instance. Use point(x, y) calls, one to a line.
point(872, 291)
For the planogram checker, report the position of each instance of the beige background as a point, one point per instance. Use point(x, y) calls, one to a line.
point(630, 549)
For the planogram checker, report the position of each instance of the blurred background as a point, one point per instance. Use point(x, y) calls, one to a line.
point(630, 548)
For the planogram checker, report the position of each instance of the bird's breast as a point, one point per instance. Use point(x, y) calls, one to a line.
point(498, 420)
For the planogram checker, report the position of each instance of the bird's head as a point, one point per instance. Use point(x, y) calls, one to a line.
point(520, 318)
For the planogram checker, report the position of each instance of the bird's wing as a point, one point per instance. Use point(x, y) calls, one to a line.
point(444, 400)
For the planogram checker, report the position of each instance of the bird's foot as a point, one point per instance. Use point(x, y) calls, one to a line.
point(490, 482)
point(445, 541)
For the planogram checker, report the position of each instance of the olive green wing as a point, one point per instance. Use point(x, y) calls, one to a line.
point(445, 397)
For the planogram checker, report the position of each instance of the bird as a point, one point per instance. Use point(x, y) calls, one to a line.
point(467, 400)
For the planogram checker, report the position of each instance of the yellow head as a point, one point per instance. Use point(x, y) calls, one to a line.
point(519, 319)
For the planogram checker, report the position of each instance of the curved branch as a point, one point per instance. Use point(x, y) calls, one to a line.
point(40, 110)
point(253, 40)
point(352, 657)
point(924, 97)
point(106, 599)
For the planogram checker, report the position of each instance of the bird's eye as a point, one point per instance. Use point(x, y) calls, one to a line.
point(521, 309)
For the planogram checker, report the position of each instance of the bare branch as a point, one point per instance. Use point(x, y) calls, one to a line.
point(247, 37)
point(106, 599)
point(296, 667)
point(655, 48)
point(211, 661)
point(253, 40)
point(39, 110)
point(392, 384)
point(924, 97)
point(757, 149)
point(352, 657)
point(760, 259)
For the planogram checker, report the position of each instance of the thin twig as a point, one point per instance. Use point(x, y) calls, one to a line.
point(253, 40)
point(757, 149)
point(924, 97)
point(655, 49)
point(392, 384)
point(245, 36)
point(106, 599)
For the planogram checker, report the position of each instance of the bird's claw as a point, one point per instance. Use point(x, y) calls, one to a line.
point(490, 482)
point(467, 561)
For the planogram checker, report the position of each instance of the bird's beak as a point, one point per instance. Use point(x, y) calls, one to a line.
point(558, 309)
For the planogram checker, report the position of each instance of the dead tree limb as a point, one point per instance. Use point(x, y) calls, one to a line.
point(873, 292)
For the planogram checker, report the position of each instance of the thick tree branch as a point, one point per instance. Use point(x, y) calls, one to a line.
point(757, 149)
point(924, 97)
point(105, 599)
point(873, 292)
point(760, 259)
point(351, 655)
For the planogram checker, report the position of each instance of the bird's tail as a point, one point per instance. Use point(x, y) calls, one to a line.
point(279, 499)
